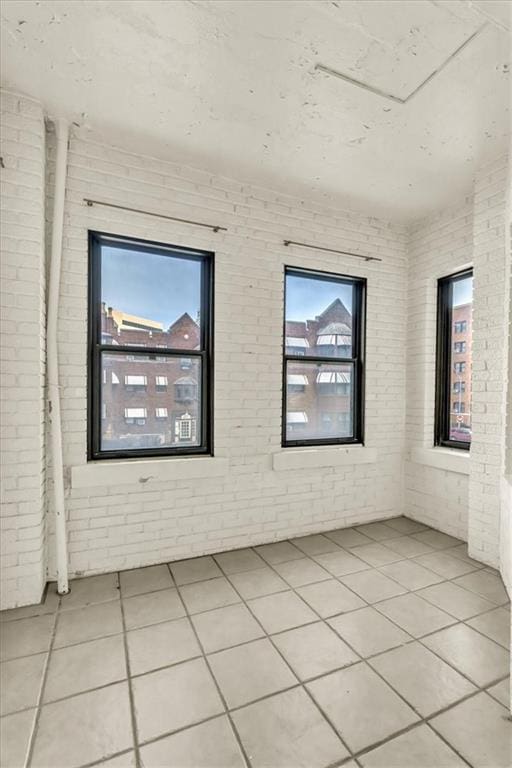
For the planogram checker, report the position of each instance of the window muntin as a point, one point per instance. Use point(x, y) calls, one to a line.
point(143, 416)
point(323, 360)
point(453, 375)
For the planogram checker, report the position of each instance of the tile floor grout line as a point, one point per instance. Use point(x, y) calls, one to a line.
point(39, 706)
point(133, 717)
point(214, 679)
point(300, 682)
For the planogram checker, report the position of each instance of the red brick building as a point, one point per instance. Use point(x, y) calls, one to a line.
point(460, 385)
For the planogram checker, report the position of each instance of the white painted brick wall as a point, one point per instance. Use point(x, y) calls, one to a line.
point(127, 526)
point(490, 339)
point(438, 246)
point(22, 343)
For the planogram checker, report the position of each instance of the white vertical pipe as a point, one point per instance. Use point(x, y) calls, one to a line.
point(62, 132)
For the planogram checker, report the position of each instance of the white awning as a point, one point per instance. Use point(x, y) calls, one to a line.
point(161, 381)
point(115, 378)
point(296, 417)
point(333, 377)
point(296, 341)
point(297, 379)
point(135, 413)
point(161, 413)
point(333, 340)
point(135, 381)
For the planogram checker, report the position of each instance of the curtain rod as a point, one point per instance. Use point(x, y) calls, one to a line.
point(331, 250)
point(214, 227)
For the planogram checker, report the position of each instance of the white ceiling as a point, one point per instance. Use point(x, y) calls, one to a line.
point(231, 86)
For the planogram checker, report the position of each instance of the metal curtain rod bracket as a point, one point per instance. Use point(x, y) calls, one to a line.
point(214, 227)
point(331, 250)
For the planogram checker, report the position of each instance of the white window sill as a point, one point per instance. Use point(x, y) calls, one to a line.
point(328, 456)
point(449, 459)
point(146, 471)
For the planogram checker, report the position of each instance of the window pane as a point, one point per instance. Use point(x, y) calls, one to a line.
point(460, 345)
point(318, 316)
point(149, 299)
point(319, 401)
point(161, 409)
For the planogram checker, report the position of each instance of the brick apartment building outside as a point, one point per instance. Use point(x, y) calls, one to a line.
point(460, 385)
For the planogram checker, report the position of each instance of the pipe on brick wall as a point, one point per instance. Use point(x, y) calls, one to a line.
point(52, 360)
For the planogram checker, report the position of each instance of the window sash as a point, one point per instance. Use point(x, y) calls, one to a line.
point(445, 350)
point(96, 348)
point(357, 360)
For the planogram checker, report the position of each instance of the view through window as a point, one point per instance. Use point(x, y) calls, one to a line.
point(453, 406)
point(322, 358)
point(149, 348)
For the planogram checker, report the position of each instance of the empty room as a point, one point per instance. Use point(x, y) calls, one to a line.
point(256, 384)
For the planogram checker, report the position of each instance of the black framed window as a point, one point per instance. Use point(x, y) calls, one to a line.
point(323, 358)
point(150, 349)
point(453, 362)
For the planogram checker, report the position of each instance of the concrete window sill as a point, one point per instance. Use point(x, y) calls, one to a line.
point(146, 471)
point(449, 459)
point(311, 458)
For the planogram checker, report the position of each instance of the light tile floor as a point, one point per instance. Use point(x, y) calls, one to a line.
point(377, 646)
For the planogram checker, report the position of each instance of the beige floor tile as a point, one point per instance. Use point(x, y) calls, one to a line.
point(173, 698)
point(444, 564)
point(15, 733)
point(486, 584)
point(239, 560)
point(341, 562)
point(461, 552)
point(281, 611)
point(314, 650)
point(262, 581)
point(143, 580)
point(426, 682)
point(160, 645)
point(455, 600)
point(126, 760)
point(329, 598)
point(152, 608)
point(348, 538)
point(207, 745)
point(49, 604)
point(372, 585)
point(81, 667)
point(410, 574)
point(368, 632)
point(377, 554)
point(300, 572)
point(414, 615)
point(94, 589)
point(280, 552)
point(317, 544)
point(90, 727)
point(225, 627)
point(501, 692)
point(480, 730)
point(195, 569)
point(405, 525)
point(480, 659)
point(418, 748)
point(26, 636)
point(250, 671)
point(89, 623)
point(436, 539)
point(376, 531)
point(407, 546)
point(205, 595)
point(286, 731)
point(20, 683)
point(361, 705)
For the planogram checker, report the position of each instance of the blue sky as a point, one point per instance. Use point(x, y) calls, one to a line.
point(462, 291)
point(151, 286)
point(305, 299)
